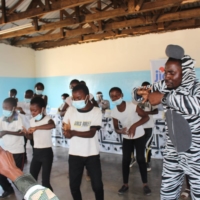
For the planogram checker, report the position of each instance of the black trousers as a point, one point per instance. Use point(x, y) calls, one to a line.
point(76, 167)
point(19, 161)
point(139, 145)
point(42, 158)
point(148, 141)
point(25, 143)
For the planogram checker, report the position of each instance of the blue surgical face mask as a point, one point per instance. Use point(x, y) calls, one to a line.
point(27, 100)
point(117, 102)
point(7, 113)
point(38, 92)
point(63, 100)
point(79, 104)
point(38, 117)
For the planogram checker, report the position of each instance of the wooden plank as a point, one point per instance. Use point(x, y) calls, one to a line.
point(79, 31)
point(192, 13)
point(148, 6)
point(59, 5)
point(135, 31)
point(131, 6)
point(55, 36)
point(93, 26)
point(139, 5)
point(63, 42)
point(3, 10)
point(44, 27)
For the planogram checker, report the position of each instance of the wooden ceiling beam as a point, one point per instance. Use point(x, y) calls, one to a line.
point(3, 11)
point(192, 13)
point(148, 6)
point(56, 36)
point(33, 12)
point(63, 42)
point(139, 5)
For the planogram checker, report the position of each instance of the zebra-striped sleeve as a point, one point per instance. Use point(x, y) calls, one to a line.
point(186, 104)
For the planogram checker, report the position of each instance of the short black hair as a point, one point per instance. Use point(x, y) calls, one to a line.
point(11, 101)
point(99, 93)
point(82, 87)
point(65, 95)
point(29, 92)
point(83, 82)
point(40, 102)
point(14, 91)
point(39, 84)
point(145, 83)
point(74, 81)
point(115, 89)
point(175, 60)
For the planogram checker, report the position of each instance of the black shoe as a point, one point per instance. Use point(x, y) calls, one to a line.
point(123, 189)
point(6, 194)
point(146, 190)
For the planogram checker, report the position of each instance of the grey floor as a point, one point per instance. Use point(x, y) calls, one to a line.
point(112, 178)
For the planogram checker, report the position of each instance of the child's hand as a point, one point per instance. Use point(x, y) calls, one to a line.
point(67, 133)
point(131, 131)
point(124, 131)
point(66, 126)
point(23, 130)
point(31, 130)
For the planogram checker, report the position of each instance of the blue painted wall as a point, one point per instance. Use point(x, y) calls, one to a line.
point(55, 86)
point(20, 84)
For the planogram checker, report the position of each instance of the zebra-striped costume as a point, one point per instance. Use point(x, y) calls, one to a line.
point(185, 100)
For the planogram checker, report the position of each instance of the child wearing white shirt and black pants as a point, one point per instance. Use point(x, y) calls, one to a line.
point(40, 130)
point(13, 139)
point(131, 117)
point(80, 124)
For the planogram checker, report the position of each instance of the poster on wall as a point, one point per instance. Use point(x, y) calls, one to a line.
point(157, 70)
point(158, 143)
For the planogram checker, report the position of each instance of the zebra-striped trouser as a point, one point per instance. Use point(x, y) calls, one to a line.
point(175, 166)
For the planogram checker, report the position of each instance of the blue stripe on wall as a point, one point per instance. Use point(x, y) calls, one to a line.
point(55, 86)
point(20, 84)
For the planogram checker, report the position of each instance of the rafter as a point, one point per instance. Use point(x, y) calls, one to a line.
point(33, 12)
point(119, 25)
point(133, 31)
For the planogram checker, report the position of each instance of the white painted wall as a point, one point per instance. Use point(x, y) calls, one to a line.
point(16, 62)
point(119, 55)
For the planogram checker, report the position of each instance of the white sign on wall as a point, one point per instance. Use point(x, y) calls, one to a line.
point(157, 70)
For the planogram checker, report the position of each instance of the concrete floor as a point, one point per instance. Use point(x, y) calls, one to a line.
point(112, 178)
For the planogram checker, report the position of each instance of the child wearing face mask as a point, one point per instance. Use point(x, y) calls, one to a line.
point(131, 117)
point(24, 109)
point(81, 122)
point(13, 94)
point(40, 129)
point(11, 132)
point(39, 89)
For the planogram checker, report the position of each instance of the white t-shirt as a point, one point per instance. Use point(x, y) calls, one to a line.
point(82, 121)
point(12, 143)
point(25, 118)
point(42, 138)
point(128, 118)
point(68, 100)
point(148, 107)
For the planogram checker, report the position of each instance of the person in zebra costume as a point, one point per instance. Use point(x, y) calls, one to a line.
point(179, 94)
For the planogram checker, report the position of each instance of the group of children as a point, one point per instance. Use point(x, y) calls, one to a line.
point(81, 122)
